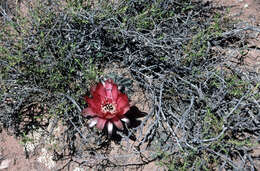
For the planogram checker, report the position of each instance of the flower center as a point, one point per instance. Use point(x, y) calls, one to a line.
point(109, 108)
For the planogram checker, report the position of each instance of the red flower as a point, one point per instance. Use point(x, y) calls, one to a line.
point(107, 106)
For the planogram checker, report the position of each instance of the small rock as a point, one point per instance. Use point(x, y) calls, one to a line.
point(5, 164)
point(78, 169)
point(46, 159)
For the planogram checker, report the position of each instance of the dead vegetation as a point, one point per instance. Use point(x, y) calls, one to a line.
point(201, 109)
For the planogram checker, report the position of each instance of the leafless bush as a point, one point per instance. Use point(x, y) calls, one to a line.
point(205, 109)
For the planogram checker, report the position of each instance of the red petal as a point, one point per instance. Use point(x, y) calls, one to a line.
point(100, 90)
point(109, 86)
point(117, 123)
point(93, 89)
point(115, 93)
point(122, 104)
point(92, 103)
point(86, 98)
point(109, 115)
point(95, 105)
point(125, 109)
point(88, 112)
point(101, 123)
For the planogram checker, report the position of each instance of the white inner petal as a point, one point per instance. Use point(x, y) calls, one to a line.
point(126, 120)
point(92, 123)
point(109, 127)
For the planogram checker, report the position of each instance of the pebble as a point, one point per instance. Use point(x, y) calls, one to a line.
point(5, 164)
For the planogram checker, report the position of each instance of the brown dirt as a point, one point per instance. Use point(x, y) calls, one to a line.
point(246, 12)
point(14, 157)
point(12, 154)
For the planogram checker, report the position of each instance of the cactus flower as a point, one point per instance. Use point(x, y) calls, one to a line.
point(107, 106)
